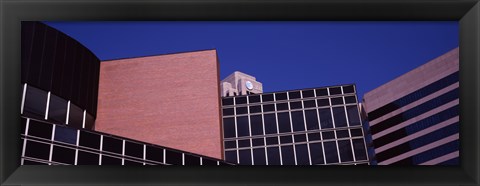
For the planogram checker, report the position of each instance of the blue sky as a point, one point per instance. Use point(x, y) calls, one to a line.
point(281, 55)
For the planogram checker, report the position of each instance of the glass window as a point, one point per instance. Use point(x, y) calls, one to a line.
point(35, 103)
point(227, 101)
point(268, 108)
point(314, 136)
point(173, 158)
point(316, 153)
point(281, 96)
point(331, 154)
point(307, 93)
point(335, 90)
point(63, 155)
point(206, 161)
point(282, 106)
point(230, 144)
point(356, 132)
point(40, 129)
point(339, 116)
point(112, 145)
point(231, 156)
point(296, 105)
point(350, 99)
point(240, 100)
point(192, 160)
point(88, 139)
point(353, 117)
point(229, 127)
point(128, 162)
point(242, 110)
point(244, 143)
point(133, 149)
point(154, 153)
point(300, 138)
point(294, 95)
point(348, 89)
point(256, 109)
point(270, 124)
point(297, 121)
point(86, 158)
point(325, 118)
point(108, 160)
point(37, 150)
point(311, 119)
point(284, 122)
point(272, 140)
point(359, 148)
point(328, 135)
point(273, 156)
point(89, 121)
point(345, 149)
point(323, 102)
point(288, 157)
point(256, 124)
point(66, 135)
point(259, 156)
point(242, 126)
point(254, 99)
point(321, 92)
point(337, 101)
point(309, 104)
point(342, 134)
point(245, 157)
point(228, 111)
point(267, 97)
point(258, 142)
point(27, 162)
point(302, 154)
point(57, 109)
point(23, 125)
point(286, 139)
point(76, 116)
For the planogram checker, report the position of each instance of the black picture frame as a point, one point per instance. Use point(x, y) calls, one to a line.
point(12, 12)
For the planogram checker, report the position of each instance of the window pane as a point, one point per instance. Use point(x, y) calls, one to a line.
point(350, 99)
point(242, 126)
point(321, 92)
point(294, 95)
point(314, 136)
point(86, 158)
point(300, 138)
point(256, 124)
point(40, 129)
point(284, 122)
point(348, 89)
point(335, 90)
point(230, 144)
point(192, 160)
point(267, 97)
point(337, 101)
point(268, 108)
point(323, 102)
point(325, 118)
point(37, 150)
point(311, 119)
point(173, 158)
point(331, 153)
point(296, 105)
point(229, 127)
point(287, 155)
point(328, 135)
point(255, 109)
point(245, 157)
point(231, 156)
point(206, 161)
point(307, 93)
point(356, 132)
point(270, 124)
point(281, 96)
point(258, 142)
point(353, 117)
point(89, 121)
point(112, 145)
point(63, 155)
point(342, 134)
point(254, 99)
point(259, 156)
point(107, 160)
point(154, 153)
point(359, 147)
point(242, 110)
point(240, 100)
point(286, 139)
point(316, 152)
point(309, 104)
point(35, 103)
point(76, 116)
point(282, 106)
point(133, 149)
point(339, 116)
point(88, 139)
point(272, 140)
point(297, 121)
point(345, 149)
point(227, 101)
point(128, 162)
point(302, 154)
point(228, 111)
point(273, 156)
point(57, 109)
point(244, 143)
point(66, 135)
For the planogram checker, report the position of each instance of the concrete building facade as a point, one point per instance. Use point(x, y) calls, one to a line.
point(414, 119)
point(239, 83)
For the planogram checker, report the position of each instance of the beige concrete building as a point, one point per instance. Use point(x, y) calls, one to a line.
point(239, 83)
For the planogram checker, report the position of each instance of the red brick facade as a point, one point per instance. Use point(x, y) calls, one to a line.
point(170, 100)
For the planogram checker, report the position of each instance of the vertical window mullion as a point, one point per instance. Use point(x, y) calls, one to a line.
point(264, 133)
point(23, 97)
point(68, 112)
point(101, 150)
point(48, 105)
point(278, 130)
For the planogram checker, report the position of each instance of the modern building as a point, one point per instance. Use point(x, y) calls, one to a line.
point(60, 85)
point(239, 83)
point(298, 127)
point(414, 119)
